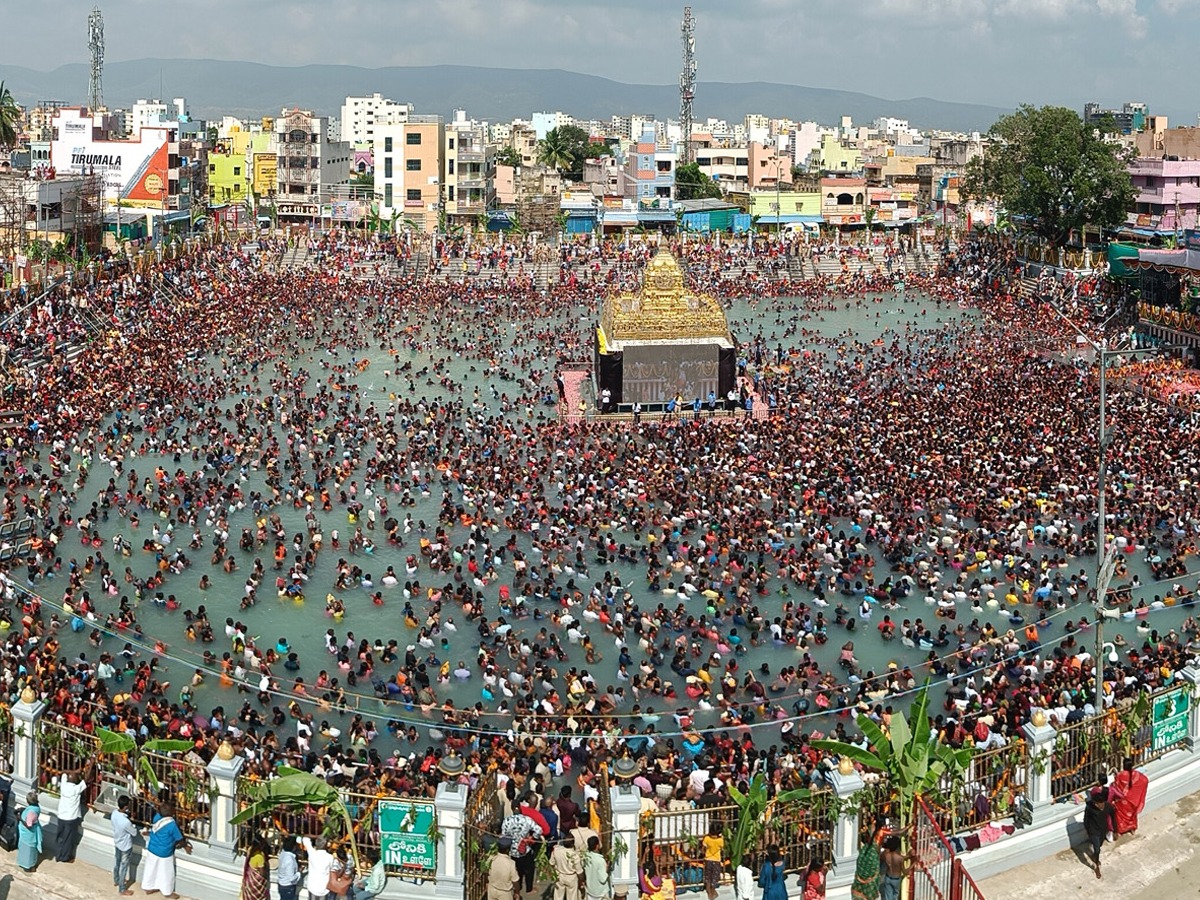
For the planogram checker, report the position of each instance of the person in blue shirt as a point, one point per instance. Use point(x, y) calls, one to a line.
point(162, 839)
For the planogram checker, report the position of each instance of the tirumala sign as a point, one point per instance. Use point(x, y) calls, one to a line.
point(130, 170)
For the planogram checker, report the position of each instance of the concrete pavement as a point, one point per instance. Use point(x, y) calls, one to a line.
point(1160, 862)
point(56, 881)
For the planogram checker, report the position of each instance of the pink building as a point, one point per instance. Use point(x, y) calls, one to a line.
point(767, 167)
point(1164, 186)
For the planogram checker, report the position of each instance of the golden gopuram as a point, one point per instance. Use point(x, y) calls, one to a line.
point(662, 342)
point(663, 308)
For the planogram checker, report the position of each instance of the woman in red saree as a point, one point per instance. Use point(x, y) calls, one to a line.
point(1128, 794)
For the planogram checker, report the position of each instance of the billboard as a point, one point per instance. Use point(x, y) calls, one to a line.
point(131, 170)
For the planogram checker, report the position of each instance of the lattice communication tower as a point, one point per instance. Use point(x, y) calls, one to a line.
point(96, 47)
point(687, 82)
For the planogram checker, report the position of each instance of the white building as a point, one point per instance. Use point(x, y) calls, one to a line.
point(150, 114)
point(804, 139)
point(360, 114)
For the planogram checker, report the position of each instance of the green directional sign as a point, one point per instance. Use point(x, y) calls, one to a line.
point(1170, 722)
point(404, 840)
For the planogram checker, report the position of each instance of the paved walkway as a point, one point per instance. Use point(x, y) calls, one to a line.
point(56, 881)
point(1160, 862)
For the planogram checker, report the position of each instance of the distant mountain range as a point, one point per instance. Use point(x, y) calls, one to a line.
point(245, 89)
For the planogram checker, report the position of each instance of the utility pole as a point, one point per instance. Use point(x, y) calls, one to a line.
point(1106, 557)
point(687, 83)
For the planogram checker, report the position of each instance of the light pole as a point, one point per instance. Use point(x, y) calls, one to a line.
point(1105, 561)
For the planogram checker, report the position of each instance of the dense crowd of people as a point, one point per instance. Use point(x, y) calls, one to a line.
point(223, 417)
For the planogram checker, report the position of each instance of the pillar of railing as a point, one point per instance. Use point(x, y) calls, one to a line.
point(27, 716)
point(451, 804)
point(846, 783)
point(224, 769)
point(626, 816)
point(1040, 737)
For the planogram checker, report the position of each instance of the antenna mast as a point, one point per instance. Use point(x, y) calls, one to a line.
point(96, 47)
point(687, 82)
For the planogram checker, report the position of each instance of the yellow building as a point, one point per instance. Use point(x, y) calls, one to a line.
point(263, 163)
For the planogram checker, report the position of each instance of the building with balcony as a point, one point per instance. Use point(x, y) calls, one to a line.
point(1167, 195)
point(308, 164)
point(728, 166)
point(469, 162)
point(409, 170)
point(843, 200)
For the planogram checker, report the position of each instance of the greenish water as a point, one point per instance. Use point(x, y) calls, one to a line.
point(513, 353)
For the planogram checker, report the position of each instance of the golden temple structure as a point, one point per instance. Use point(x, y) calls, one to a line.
point(662, 309)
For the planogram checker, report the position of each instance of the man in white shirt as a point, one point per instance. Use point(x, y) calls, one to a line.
point(72, 787)
point(320, 864)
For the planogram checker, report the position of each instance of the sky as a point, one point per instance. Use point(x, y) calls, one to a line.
point(998, 52)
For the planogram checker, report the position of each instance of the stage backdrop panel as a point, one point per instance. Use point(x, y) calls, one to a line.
point(655, 374)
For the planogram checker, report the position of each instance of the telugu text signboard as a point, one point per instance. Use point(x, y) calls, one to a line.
point(404, 834)
point(1170, 721)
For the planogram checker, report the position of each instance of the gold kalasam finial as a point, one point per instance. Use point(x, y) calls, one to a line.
point(663, 308)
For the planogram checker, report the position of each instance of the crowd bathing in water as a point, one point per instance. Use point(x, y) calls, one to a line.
point(901, 491)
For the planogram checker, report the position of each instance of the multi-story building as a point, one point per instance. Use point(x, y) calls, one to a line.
point(1130, 118)
point(843, 200)
point(469, 164)
point(1168, 193)
point(409, 171)
point(149, 114)
point(359, 115)
point(650, 169)
point(41, 119)
point(228, 172)
point(308, 166)
point(523, 139)
point(263, 166)
point(728, 166)
point(766, 167)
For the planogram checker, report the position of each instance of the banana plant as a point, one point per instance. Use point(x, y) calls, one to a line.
point(754, 812)
point(113, 743)
point(910, 756)
point(296, 790)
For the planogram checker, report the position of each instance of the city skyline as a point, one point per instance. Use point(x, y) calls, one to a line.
point(997, 52)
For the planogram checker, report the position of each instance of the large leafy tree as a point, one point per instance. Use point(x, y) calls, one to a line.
point(1047, 165)
point(692, 184)
point(10, 116)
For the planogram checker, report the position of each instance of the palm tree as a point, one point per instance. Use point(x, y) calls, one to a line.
point(10, 115)
point(553, 151)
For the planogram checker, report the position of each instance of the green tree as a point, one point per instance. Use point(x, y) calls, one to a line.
point(10, 117)
point(565, 148)
point(692, 184)
point(910, 755)
point(554, 153)
point(508, 156)
point(1047, 165)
